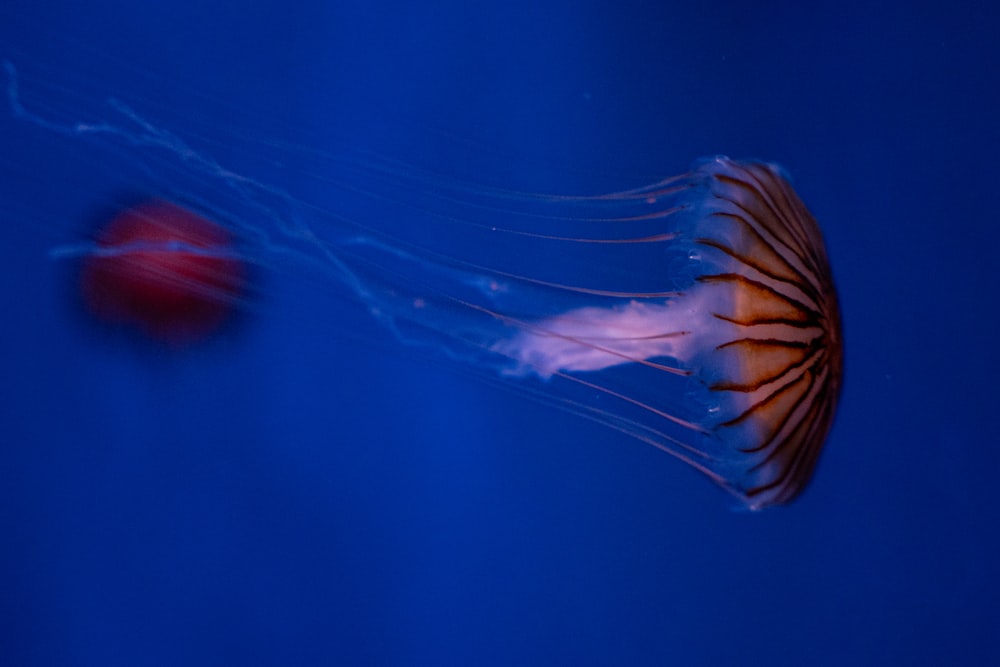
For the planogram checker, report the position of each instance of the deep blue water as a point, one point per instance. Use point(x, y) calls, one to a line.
point(304, 490)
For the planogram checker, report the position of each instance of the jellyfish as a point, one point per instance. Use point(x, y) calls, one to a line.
point(697, 314)
point(165, 271)
point(758, 328)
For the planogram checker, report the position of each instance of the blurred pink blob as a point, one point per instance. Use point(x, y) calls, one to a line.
point(164, 270)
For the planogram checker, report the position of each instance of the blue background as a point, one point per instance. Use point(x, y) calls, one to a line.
point(291, 494)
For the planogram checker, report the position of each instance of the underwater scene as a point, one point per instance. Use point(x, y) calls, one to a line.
point(552, 333)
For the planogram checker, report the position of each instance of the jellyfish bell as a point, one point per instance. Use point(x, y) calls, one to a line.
point(696, 314)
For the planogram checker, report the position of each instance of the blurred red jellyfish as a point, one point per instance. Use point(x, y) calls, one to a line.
point(164, 270)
